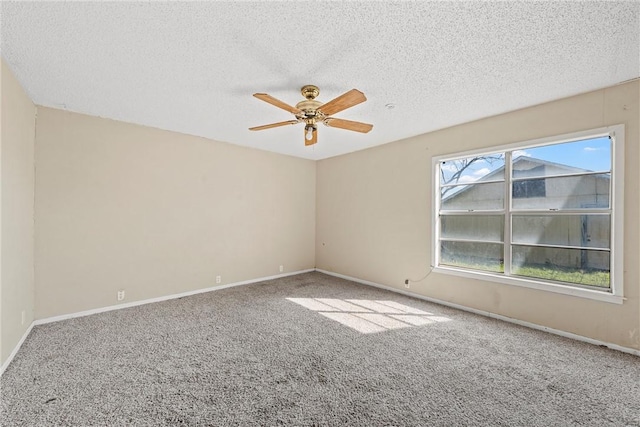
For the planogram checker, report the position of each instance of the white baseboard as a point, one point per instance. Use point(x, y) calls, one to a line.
point(342, 276)
point(136, 303)
point(163, 298)
point(488, 314)
point(15, 350)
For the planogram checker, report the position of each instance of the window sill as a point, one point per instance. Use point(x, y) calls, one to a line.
point(533, 284)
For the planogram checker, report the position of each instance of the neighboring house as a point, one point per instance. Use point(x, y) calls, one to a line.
point(543, 186)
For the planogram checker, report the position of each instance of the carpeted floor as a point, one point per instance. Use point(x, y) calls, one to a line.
point(311, 350)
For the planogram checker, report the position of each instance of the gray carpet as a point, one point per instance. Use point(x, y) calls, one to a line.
point(336, 353)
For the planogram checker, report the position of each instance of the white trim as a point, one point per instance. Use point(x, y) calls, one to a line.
point(330, 273)
point(532, 143)
point(163, 298)
point(136, 303)
point(533, 284)
point(5, 365)
point(508, 215)
point(617, 204)
point(565, 334)
point(435, 209)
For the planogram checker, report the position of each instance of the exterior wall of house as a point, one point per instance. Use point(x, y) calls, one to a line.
point(375, 210)
point(559, 193)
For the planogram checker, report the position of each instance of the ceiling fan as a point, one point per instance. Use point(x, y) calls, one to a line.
point(311, 112)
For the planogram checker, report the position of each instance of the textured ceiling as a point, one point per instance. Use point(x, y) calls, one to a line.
point(192, 67)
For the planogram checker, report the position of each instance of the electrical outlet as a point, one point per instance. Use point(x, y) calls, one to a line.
point(24, 316)
point(218, 279)
point(120, 295)
point(281, 268)
point(406, 284)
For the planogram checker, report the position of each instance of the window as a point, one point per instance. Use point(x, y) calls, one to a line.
point(544, 214)
point(529, 188)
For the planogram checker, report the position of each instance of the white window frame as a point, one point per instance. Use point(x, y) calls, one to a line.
point(613, 295)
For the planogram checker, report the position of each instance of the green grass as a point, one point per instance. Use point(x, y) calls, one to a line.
point(493, 268)
point(568, 275)
point(572, 276)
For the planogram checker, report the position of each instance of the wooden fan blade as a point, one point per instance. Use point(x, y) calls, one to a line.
point(348, 125)
point(273, 101)
point(314, 137)
point(274, 125)
point(344, 101)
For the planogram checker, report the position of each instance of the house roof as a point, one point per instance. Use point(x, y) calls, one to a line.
point(534, 160)
point(520, 159)
point(192, 67)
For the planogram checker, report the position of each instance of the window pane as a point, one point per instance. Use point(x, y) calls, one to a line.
point(473, 227)
point(473, 197)
point(472, 169)
point(566, 230)
point(576, 266)
point(571, 192)
point(590, 155)
point(477, 256)
point(529, 188)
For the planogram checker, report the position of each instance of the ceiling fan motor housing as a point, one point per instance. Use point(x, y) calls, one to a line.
point(309, 108)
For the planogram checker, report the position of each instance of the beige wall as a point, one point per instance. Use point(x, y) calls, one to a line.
point(17, 186)
point(374, 215)
point(122, 206)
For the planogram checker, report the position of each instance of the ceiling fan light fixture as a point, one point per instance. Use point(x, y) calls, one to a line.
point(308, 132)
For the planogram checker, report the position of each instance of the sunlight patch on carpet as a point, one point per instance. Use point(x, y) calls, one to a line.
point(367, 316)
point(313, 304)
point(414, 320)
point(354, 322)
point(343, 305)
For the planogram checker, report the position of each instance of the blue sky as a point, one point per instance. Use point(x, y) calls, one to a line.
point(590, 154)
